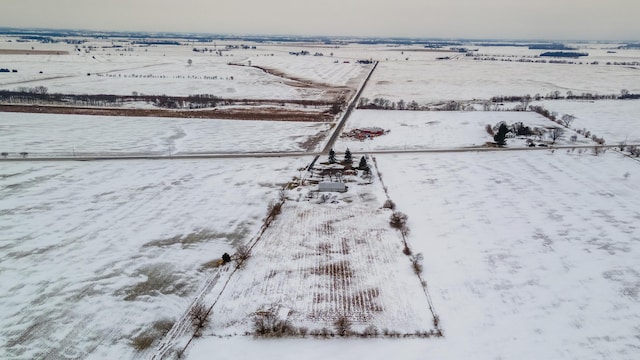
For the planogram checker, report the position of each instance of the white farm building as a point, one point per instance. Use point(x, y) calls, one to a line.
point(332, 187)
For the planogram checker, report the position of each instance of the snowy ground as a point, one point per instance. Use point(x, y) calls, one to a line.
point(166, 71)
point(51, 135)
point(95, 253)
point(527, 256)
point(614, 120)
point(320, 261)
point(432, 81)
point(416, 130)
point(535, 254)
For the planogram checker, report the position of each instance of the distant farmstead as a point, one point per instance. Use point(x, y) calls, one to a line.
point(332, 187)
point(365, 133)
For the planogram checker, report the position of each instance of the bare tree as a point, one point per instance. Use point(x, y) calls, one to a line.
point(567, 119)
point(199, 316)
point(555, 134)
point(343, 326)
point(41, 90)
point(489, 129)
point(416, 263)
point(243, 252)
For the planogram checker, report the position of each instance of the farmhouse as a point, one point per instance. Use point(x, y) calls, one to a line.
point(332, 187)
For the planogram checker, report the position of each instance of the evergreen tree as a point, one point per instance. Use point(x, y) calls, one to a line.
point(332, 157)
point(363, 164)
point(499, 138)
point(348, 159)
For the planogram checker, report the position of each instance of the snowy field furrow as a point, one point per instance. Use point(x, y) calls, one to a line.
point(66, 135)
point(95, 254)
point(149, 75)
point(526, 249)
point(318, 262)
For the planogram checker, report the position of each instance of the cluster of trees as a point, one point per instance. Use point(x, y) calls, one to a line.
point(501, 131)
point(205, 50)
point(566, 120)
point(386, 104)
point(348, 160)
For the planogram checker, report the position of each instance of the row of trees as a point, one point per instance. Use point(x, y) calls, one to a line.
point(348, 160)
point(380, 103)
point(386, 104)
point(566, 120)
point(570, 95)
point(41, 96)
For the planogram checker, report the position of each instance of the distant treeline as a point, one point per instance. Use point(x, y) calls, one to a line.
point(550, 47)
point(556, 95)
point(40, 96)
point(493, 104)
point(564, 54)
point(156, 42)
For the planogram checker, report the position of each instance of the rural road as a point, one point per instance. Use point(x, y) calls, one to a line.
point(347, 113)
point(296, 154)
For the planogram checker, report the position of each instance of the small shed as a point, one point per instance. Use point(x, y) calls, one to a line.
point(332, 187)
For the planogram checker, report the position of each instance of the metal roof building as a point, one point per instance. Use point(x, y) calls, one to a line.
point(332, 187)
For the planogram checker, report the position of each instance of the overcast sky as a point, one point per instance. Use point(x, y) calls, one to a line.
point(507, 19)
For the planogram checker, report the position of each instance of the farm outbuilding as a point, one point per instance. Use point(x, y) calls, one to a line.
point(332, 187)
point(365, 133)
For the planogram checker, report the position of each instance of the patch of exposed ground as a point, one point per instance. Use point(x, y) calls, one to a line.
point(158, 279)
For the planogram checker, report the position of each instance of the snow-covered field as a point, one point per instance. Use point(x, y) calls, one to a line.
point(614, 120)
point(433, 81)
point(51, 134)
point(416, 130)
point(167, 71)
point(533, 253)
point(95, 253)
point(320, 261)
point(527, 255)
